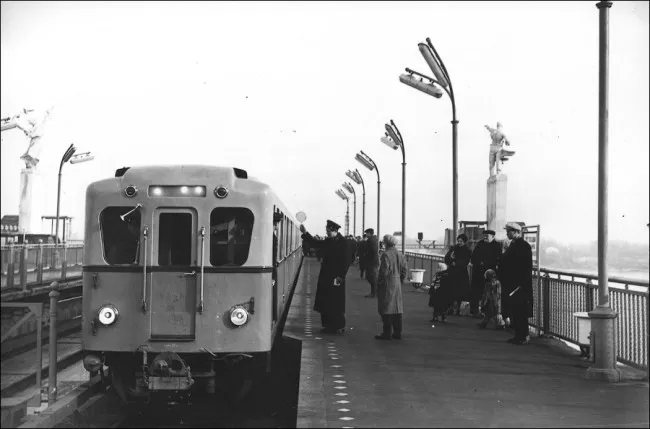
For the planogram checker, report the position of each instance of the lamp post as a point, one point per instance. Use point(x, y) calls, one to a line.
point(356, 177)
point(603, 316)
point(367, 162)
point(348, 187)
point(443, 81)
point(67, 156)
point(341, 194)
point(393, 139)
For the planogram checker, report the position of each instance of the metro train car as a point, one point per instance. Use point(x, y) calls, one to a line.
point(183, 290)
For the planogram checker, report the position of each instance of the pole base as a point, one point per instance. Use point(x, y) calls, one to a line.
point(609, 375)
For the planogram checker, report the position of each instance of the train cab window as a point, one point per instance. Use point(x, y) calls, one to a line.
point(175, 239)
point(230, 235)
point(120, 231)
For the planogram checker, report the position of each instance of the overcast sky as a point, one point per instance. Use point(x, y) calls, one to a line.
point(292, 91)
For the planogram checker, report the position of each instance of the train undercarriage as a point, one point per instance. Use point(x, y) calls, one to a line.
point(172, 378)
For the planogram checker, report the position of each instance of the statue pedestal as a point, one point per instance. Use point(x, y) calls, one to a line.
point(28, 222)
point(497, 192)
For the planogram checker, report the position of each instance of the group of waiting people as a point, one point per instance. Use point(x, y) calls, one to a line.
point(501, 287)
point(385, 275)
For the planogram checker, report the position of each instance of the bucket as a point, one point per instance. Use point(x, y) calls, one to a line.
point(417, 275)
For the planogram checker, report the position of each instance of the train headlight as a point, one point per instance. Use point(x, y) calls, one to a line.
point(131, 191)
point(107, 315)
point(221, 191)
point(238, 316)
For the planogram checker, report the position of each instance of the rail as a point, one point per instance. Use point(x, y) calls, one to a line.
point(37, 264)
point(558, 294)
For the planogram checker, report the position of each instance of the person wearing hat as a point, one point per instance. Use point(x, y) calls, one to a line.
point(485, 257)
point(457, 258)
point(330, 290)
point(515, 273)
point(491, 300)
point(372, 261)
point(392, 272)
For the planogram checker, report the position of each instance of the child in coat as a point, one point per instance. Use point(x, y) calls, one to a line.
point(491, 301)
point(440, 294)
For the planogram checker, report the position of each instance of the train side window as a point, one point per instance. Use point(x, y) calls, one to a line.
point(175, 239)
point(230, 235)
point(120, 236)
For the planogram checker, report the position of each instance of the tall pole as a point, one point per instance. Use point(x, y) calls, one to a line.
point(454, 125)
point(363, 211)
point(354, 195)
point(603, 317)
point(403, 202)
point(347, 216)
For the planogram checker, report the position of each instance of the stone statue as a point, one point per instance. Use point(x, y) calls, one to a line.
point(497, 152)
point(32, 124)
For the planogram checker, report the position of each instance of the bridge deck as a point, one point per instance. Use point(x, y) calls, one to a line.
point(453, 374)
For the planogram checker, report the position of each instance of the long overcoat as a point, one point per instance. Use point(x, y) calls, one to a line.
point(392, 271)
point(516, 269)
point(457, 259)
point(335, 263)
point(484, 257)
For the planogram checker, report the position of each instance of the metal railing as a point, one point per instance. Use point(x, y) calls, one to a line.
point(37, 264)
point(559, 294)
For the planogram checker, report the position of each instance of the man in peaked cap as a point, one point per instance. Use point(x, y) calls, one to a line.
point(485, 257)
point(372, 261)
point(330, 291)
point(515, 273)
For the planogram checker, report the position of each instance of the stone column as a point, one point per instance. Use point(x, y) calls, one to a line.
point(25, 204)
point(497, 192)
point(29, 220)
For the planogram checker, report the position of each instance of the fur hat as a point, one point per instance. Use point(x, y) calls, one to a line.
point(490, 274)
point(333, 225)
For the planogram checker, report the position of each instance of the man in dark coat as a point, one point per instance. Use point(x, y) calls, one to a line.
point(361, 251)
point(485, 257)
point(515, 273)
point(330, 291)
point(457, 259)
point(372, 261)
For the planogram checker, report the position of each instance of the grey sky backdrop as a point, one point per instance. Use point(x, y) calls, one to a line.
point(291, 91)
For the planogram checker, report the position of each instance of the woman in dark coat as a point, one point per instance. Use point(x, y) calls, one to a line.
point(457, 259)
point(330, 291)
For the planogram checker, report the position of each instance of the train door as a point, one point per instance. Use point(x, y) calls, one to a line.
point(174, 275)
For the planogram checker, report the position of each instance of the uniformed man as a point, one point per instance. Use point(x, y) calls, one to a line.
point(515, 273)
point(330, 291)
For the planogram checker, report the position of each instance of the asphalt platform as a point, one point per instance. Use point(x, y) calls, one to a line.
point(448, 375)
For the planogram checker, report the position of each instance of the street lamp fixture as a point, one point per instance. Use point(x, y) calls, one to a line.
point(348, 187)
point(343, 196)
point(67, 156)
point(393, 139)
point(367, 162)
point(435, 87)
point(356, 177)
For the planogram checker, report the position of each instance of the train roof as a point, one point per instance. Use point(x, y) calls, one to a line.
point(209, 175)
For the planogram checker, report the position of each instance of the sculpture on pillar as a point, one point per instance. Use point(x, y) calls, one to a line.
point(497, 151)
point(31, 122)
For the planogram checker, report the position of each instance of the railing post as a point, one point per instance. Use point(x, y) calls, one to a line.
point(64, 262)
point(52, 384)
point(23, 267)
point(546, 304)
point(589, 296)
point(10, 266)
point(39, 350)
point(39, 263)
